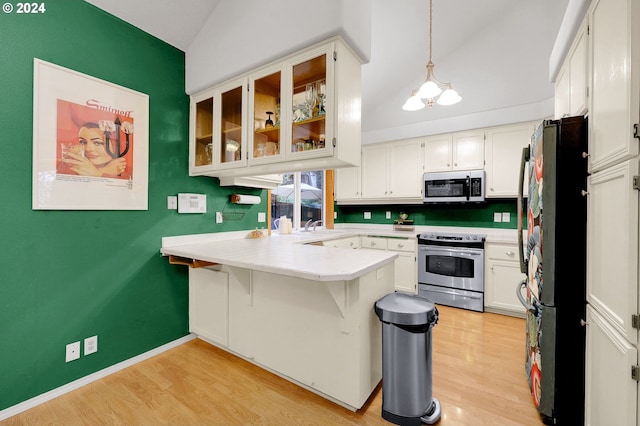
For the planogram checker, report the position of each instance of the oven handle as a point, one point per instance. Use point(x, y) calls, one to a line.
point(451, 251)
point(475, 295)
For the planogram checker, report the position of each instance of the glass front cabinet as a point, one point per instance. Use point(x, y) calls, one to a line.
point(299, 113)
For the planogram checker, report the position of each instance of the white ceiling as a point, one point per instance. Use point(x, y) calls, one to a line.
point(494, 52)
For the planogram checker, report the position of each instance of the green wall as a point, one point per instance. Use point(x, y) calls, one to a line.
point(462, 215)
point(68, 275)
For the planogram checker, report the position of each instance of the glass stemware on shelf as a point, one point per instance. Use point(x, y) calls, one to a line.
point(322, 95)
point(310, 96)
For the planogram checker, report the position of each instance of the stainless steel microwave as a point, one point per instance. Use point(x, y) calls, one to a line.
point(463, 186)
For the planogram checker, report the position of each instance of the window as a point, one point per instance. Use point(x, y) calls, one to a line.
point(300, 197)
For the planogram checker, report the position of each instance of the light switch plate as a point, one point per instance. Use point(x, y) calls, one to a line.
point(262, 217)
point(506, 217)
point(192, 203)
point(497, 217)
point(218, 217)
point(367, 215)
point(90, 345)
point(388, 215)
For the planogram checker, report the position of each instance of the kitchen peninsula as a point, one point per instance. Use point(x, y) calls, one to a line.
point(300, 310)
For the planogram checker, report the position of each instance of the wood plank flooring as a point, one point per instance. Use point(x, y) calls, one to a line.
point(478, 376)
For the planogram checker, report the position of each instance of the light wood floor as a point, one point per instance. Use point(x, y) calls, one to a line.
point(478, 376)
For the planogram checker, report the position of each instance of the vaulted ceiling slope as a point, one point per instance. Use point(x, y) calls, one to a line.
point(495, 52)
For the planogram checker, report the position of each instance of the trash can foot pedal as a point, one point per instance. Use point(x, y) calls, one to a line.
point(433, 415)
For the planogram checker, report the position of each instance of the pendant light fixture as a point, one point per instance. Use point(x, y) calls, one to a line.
point(431, 90)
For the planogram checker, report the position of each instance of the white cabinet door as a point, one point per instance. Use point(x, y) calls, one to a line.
point(562, 96)
point(468, 150)
point(405, 168)
point(438, 153)
point(503, 154)
point(578, 72)
point(611, 394)
point(406, 272)
point(502, 275)
point(209, 304)
point(374, 171)
point(615, 99)
point(612, 252)
point(571, 90)
point(347, 184)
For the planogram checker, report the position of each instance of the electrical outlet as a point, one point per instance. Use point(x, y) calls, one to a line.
point(73, 351)
point(335, 215)
point(262, 217)
point(90, 345)
point(506, 217)
point(172, 202)
point(367, 215)
point(388, 215)
point(497, 217)
point(218, 217)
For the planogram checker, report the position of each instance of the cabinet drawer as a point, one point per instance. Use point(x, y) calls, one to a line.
point(507, 252)
point(374, 243)
point(401, 244)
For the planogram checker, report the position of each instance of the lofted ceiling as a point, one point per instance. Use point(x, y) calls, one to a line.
point(494, 52)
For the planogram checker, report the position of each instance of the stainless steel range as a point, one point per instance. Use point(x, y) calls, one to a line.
point(451, 269)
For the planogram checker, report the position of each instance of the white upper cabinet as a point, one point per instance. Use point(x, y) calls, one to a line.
point(298, 113)
point(392, 170)
point(615, 87)
point(347, 184)
point(571, 90)
point(503, 156)
point(454, 151)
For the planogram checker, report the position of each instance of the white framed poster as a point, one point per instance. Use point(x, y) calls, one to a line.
point(90, 142)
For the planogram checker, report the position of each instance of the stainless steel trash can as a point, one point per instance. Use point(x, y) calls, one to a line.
point(407, 321)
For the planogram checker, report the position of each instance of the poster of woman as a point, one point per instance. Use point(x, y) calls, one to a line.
point(90, 142)
point(93, 142)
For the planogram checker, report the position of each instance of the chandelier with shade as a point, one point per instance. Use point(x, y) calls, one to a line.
point(432, 90)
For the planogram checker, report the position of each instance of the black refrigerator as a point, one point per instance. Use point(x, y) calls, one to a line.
point(553, 257)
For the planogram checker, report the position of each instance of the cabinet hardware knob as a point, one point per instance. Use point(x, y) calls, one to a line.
point(510, 253)
point(583, 322)
point(585, 155)
point(584, 193)
point(400, 245)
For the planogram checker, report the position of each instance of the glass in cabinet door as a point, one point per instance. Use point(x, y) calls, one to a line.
point(204, 133)
point(266, 116)
point(231, 136)
point(309, 105)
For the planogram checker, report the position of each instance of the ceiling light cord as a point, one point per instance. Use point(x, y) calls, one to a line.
point(431, 90)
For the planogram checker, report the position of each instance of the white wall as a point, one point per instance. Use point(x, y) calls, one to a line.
point(241, 35)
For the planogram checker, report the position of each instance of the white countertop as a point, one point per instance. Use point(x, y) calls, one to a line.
point(282, 254)
point(288, 255)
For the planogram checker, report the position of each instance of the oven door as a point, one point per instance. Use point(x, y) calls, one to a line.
point(454, 267)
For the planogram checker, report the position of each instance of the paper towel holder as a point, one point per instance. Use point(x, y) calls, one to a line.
point(244, 199)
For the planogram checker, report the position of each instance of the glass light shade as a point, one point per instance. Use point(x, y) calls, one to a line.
point(449, 97)
point(413, 104)
point(429, 89)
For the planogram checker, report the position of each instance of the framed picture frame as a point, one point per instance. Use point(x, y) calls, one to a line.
point(90, 142)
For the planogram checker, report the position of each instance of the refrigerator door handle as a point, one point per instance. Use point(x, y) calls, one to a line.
point(524, 160)
point(523, 301)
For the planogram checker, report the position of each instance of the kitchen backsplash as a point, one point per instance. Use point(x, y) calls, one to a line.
point(465, 215)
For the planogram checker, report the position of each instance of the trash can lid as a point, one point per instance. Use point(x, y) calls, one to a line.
point(406, 309)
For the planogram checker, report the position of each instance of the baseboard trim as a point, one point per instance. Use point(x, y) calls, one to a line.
point(76, 384)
